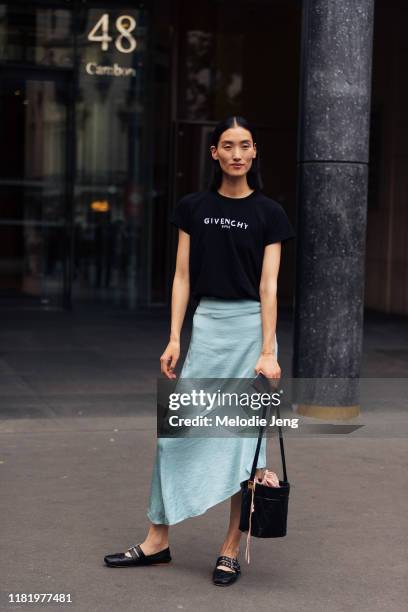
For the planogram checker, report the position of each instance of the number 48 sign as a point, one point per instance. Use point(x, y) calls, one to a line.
point(124, 42)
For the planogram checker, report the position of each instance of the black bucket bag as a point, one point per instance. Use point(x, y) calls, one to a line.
point(264, 509)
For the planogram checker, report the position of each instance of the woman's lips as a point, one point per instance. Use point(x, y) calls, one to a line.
point(237, 165)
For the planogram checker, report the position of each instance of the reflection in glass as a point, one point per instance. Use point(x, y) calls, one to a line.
point(113, 190)
point(32, 187)
point(36, 35)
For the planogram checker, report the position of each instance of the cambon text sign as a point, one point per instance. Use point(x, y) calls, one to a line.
point(112, 43)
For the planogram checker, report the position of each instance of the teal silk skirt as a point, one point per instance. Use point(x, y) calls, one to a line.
point(191, 474)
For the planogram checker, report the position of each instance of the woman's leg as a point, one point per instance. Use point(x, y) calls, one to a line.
point(157, 539)
point(230, 547)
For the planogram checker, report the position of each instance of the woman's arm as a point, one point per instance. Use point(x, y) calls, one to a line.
point(179, 301)
point(267, 362)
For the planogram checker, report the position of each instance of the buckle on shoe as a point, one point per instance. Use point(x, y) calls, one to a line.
point(228, 562)
point(133, 551)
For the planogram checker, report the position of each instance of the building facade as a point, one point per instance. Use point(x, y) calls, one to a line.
point(106, 111)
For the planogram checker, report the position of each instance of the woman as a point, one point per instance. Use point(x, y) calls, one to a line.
point(228, 259)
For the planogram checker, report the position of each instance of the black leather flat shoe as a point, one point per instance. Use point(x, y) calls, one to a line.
point(223, 578)
point(138, 557)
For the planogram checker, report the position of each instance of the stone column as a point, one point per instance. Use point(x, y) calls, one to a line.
point(333, 145)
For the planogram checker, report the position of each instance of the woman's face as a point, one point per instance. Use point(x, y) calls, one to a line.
point(235, 151)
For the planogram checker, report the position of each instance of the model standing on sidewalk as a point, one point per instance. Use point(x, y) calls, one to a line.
point(228, 259)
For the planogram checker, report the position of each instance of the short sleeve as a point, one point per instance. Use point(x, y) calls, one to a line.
point(278, 227)
point(180, 215)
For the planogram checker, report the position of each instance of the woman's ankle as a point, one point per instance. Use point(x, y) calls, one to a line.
point(156, 542)
point(157, 537)
point(230, 550)
point(151, 548)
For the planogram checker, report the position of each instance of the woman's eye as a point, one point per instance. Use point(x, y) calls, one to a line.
point(245, 146)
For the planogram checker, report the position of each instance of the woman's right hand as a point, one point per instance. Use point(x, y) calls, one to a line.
point(169, 358)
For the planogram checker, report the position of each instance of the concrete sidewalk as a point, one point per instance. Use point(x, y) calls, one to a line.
point(77, 445)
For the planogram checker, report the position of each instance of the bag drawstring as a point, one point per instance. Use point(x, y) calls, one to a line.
point(252, 508)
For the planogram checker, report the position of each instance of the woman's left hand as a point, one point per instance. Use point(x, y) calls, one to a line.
point(269, 366)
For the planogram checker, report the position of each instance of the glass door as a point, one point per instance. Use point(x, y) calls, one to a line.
point(34, 240)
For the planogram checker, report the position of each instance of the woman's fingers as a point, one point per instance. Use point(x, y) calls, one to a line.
point(270, 373)
point(163, 360)
point(169, 358)
point(165, 366)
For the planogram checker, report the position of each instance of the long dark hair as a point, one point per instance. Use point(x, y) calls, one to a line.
point(254, 178)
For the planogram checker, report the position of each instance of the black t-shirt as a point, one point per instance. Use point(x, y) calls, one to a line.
point(227, 240)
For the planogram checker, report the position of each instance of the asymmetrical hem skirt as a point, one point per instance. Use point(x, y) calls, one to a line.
point(191, 474)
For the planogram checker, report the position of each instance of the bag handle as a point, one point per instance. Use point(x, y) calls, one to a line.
point(262, 381)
